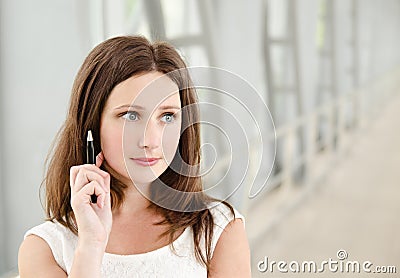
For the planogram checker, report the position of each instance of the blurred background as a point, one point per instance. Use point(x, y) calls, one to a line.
point(329, 71)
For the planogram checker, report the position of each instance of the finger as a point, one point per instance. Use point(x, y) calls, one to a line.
point(104, 174)
point(93, 167)
point(83, 197)
point(101, 195)
point(93, 188)
point(107, 181)
point(73, 171)
point(99, 159)
point(84, 177)
point(107, 200)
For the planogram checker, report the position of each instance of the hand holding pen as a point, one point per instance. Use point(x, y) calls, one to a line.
point(94, 220)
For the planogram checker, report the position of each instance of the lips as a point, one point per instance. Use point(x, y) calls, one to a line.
point(146, 161)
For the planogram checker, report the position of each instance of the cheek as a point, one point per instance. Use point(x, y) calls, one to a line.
point(170, 141)
point(111, 141)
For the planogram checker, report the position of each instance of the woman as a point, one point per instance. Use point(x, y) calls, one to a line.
point(136, 99)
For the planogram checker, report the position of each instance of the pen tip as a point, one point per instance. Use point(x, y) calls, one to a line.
point(89, 136)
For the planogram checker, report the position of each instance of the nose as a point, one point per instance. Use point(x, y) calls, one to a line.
point(150, 137)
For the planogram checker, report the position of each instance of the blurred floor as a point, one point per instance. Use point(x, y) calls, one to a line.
point(356, 208)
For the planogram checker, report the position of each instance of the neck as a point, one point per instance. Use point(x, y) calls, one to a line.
point(135, 201)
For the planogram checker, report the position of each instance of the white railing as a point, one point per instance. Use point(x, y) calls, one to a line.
point(369, 100)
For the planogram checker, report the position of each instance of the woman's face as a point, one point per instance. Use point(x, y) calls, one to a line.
point(140, 127)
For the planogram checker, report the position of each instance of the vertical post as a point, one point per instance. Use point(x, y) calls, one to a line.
point(97, 20)
point(290, 42)
point(269, 78)
point(334, 92)
point(3, 250)
point(155, 17)
point(300, 133)
point(356, 71)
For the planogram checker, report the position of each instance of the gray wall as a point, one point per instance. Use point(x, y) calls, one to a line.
point(40, 53)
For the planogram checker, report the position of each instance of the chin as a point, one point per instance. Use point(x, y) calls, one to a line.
point(143, 181)
point(146, 174)
point(143, 177)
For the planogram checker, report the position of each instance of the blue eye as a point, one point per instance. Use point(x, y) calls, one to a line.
point(130, 116)
point(168, 117)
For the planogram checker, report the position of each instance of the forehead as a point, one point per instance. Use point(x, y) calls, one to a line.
point(148, 90)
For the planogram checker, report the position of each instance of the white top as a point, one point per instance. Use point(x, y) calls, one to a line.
point(161, 262)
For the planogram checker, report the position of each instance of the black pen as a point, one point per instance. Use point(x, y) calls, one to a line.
point(90, 158)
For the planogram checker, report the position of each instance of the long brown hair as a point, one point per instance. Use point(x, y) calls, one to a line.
point(108, 64)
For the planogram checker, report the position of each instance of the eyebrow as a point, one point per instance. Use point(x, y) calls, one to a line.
point(167, 107)
point(130, 106)
point(138, 107)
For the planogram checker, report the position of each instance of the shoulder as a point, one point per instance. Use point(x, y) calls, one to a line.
point(231, 252)
point(222, 214)
point(48, 228)
point(35, 256)
point(50, 238)
point(223, 217)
